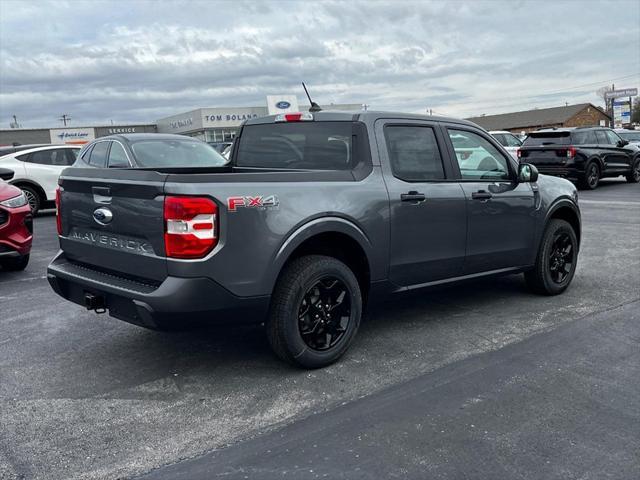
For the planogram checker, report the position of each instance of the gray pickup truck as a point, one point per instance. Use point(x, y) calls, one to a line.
point(314, 215)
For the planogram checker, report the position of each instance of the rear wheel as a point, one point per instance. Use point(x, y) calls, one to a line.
point(32, 197)
point(315, 311)
point(634, 175)
point(556, 261)
point(15, 264)
point(591, 176)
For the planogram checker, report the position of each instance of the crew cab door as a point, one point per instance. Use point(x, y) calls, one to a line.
point(427, 209)
point(500, 211)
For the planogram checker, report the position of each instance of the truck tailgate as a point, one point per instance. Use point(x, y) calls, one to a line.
point(113, 220)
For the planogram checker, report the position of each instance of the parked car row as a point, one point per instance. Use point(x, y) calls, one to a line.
point(37, 168)
point(583, 155)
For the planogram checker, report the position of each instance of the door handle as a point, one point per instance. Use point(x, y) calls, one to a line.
point(413, 196)
point(101, 194)
point(481, 195)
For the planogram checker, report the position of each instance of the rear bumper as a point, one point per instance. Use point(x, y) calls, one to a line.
point(565, 171)
point(174, 301)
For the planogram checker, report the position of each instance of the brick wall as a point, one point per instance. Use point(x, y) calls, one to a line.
point(588, 117)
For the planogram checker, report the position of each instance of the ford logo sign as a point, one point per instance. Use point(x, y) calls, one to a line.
point(102, 216)
point(283, 105)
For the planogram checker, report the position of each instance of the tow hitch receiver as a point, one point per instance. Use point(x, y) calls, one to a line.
point(94, 302)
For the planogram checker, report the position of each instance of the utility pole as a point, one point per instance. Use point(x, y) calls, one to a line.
point(64, 118)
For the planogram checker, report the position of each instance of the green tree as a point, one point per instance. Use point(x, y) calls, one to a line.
point(635, 111)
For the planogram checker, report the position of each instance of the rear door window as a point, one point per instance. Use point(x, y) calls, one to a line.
point(602, 138)
point(300, 145)
point(98, 157)
point(587, 137)
point(117, 156)
point(413, 153)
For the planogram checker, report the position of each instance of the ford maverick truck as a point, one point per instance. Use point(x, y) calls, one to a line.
point(314, 215)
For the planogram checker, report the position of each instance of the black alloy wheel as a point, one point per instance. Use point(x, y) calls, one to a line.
point(592, 175)
point(315, 311)
point(634, 175)
point(324, 313)
point(561, 257)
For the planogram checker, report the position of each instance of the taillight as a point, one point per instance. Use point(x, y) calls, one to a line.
point(294, 117)
point(58, 212)
point(190, 226)
point(519, 153)
point(571, 152)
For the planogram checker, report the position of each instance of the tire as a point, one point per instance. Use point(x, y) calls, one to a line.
point(591, 176)
point(316, 338)
point(15, 264)
point(544, 279)
point(634, 175)
point(33, 198)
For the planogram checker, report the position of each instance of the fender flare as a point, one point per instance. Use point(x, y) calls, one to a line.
point(311, 228)
point(562, 203)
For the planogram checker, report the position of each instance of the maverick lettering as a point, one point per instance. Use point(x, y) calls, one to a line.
point(113, 242)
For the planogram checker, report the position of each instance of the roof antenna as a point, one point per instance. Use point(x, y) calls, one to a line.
point(314, 106)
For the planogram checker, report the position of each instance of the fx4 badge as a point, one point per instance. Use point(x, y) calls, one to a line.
point(270, 201)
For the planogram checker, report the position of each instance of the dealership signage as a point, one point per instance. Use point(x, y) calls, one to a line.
point(181, 123)
point(62, 136)
point(621, 113)
point(625, 92)
point(282, 104)
point(230, 117)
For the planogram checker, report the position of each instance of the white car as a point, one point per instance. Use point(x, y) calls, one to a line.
point(37, 170)
point(508, 140)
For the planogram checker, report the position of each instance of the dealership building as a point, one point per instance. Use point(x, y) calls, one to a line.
point(207, 124)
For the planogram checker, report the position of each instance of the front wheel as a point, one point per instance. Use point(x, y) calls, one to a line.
point(315, 311)
point(634, 175)
point(556, 261)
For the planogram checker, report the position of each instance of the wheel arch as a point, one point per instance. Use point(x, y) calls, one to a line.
point(331, 236)
point(30, 183)
point(565, 209)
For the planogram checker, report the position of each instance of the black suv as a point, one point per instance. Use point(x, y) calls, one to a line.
point(583, 155)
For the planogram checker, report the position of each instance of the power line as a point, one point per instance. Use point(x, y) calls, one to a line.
point(511, 99)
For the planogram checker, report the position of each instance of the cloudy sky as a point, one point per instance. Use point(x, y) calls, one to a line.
point(137, 61)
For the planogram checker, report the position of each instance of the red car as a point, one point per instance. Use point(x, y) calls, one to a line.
point(16, 225)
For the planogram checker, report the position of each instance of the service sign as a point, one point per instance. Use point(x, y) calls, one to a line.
point(71, 136)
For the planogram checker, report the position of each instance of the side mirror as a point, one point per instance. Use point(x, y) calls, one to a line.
point(6, 174)
point(527, 173)
point(622, 142)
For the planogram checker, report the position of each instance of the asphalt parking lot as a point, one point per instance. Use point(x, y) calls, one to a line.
point(87, 396)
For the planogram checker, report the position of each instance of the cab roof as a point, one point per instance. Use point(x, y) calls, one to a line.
point(363, 116)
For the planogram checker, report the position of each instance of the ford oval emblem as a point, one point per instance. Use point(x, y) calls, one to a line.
point(283, 105)
point(102, 216)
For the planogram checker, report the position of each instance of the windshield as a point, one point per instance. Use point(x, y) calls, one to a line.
point(548, 138)
point(176, 153)
point(312, 145)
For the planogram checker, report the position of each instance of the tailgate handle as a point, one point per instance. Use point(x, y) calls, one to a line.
point(101, 194)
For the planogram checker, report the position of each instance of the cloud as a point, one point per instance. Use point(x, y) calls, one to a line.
point(140, 61)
